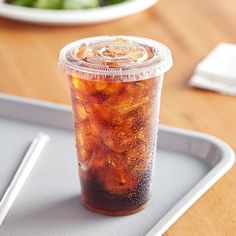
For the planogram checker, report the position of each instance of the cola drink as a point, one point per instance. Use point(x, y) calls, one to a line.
point(115, 85)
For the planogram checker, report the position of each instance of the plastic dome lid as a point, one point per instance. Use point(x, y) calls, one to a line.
point(115, 58)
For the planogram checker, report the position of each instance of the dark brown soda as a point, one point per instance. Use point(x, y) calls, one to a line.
point(116, 135)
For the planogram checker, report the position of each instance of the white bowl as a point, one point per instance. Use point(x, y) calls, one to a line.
point(68, 17)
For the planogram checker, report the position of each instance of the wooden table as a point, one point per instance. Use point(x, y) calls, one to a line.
point(191, 28)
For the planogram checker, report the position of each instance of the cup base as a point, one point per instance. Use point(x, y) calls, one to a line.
point(115, 213)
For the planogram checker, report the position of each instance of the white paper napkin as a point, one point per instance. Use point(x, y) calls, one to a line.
point(217, 71)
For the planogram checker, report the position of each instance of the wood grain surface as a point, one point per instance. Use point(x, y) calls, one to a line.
point(191, 28)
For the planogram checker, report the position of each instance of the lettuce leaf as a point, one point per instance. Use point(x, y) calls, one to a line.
point(49, 4)
point(78, 4)
point(25, 3)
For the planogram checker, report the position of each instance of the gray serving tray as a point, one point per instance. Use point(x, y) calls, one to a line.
point(188, 164)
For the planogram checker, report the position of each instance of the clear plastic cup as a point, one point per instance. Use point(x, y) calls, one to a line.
point(115, 84)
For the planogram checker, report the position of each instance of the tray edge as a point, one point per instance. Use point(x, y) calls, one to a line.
point(224, 165)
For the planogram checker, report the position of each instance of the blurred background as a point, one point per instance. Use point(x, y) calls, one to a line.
point(190, 28)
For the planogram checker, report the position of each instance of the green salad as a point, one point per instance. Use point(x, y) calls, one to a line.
point(64, 4)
